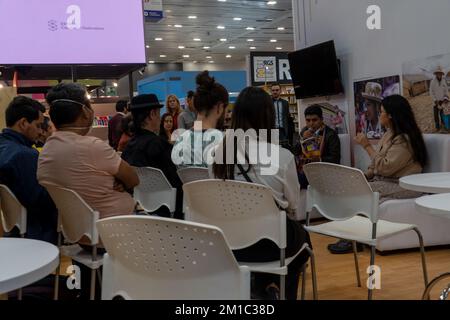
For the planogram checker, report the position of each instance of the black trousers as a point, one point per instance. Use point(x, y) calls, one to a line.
point(266, 251)
point(437, 117)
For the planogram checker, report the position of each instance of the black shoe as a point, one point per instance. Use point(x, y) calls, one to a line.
point(344, 246)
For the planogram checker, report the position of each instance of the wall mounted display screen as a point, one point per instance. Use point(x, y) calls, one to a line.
point(34, 32)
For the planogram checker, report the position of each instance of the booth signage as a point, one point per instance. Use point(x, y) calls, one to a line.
point(153, 10)
point(267, 67)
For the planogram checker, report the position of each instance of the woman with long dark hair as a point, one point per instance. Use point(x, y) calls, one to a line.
point(166, 127)
point(401, 150)
point(254, 114)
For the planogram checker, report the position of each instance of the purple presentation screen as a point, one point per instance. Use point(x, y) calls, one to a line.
point(71, 32)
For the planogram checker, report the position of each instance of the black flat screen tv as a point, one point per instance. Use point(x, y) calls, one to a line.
point(315, 71)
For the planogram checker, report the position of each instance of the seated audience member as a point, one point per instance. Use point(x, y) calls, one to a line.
point(84, 164)
point(187, 118)
point(254, 110)
point(173, 108)
point(166, 127)
point(210, 101)
point(18, 166)
point(147, 149)
point(47, 130)
point(318, 142)
point(127, 132)
point(115, 124)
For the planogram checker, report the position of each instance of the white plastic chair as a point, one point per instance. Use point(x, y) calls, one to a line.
point(246, 213)
point(157, 258)
point(342, 194)
point(13, 215)
point(191, 174)
point(154, 190)
point(76, 219)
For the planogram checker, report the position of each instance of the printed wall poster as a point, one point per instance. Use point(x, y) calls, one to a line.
point(334, 115)
point(265, 69)
point(425, 85)
point(368, 97)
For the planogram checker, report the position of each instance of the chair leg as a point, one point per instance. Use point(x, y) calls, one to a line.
point(372, 263)
point(313, 272)
point(355, 255)
point(93, 273)
point(19, 294)
point(303, 282)
point(56, 289)
point(422, 253)
point(282, 287)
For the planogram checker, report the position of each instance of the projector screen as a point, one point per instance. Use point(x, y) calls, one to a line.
point(71, 32)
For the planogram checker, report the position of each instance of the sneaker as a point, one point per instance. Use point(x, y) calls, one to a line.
point(344, 246)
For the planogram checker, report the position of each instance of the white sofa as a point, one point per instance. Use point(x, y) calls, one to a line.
point(435, 230)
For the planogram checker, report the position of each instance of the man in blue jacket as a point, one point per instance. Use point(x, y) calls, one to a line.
point(18, 167)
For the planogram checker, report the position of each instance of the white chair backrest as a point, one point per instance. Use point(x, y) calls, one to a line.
point(340, 192)
point(191, 174)
point(346, 160)
point(170, 259)
point(13, 213)
point(154, 190)
point(438, 147)
point(75, 217)
point(245, 212)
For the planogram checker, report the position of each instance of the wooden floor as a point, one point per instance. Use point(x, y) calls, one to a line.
point(401, 273)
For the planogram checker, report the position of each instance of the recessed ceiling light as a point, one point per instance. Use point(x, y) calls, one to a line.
point(169, 11)
point(206, 47)
point(197, 39)
point(147, 46)
point(222, 0)
point(250, 40)
point(208, 57)
point(273, 40)
point(271, 3)
point(280, 28)
point(211, 61)
point(252, 48)
point(279, 48)
point(151, 62)
point(250, 28)
point(185, 56)
point(237, 19)
point(221, 27)
point(181, 47)
point(192, 17)
point(162, 56)
point(158, 39)
point(178, 26)
point(195, 61)
point(223, 39)
point(231, 47)
point(228, 56)
point(169, 25)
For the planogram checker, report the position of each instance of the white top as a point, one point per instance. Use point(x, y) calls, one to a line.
point(25, 261)
point(438, 90)
point(437, 204)
point(438, 182)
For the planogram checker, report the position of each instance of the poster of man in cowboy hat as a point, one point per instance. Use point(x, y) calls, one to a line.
point(368, 97)
point(425, 85)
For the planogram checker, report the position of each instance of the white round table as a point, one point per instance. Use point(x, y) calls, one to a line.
point(438, 182)
point(25, 261)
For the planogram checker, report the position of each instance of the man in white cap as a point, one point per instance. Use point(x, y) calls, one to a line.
point(438, 90)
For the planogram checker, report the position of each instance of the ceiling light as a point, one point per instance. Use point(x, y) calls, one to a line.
point(211, 61)
point(206, 47)
point(162, 56)
point(280, 28)
point(197, 39)
point(237, 19)
point(250, 28)
point(151, 62)
point(220, 27)
point(208, 57)
point(231, 47)
point(169, 11)
point(222, 0)
point(273, 40)
point(228, 56)
point(158, 39)
point(169, 25)
point(185, 56)
point(147, 46)
point(271, 3)
point(252, 48)
point(115, 84)
point(192, 17)
point(181, 47)
point(250, 40)
point(279, 48)
point(178, 26)
point(223, 39)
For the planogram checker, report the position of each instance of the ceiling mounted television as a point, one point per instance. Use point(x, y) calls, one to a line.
point(315, 71)
point(71, 32)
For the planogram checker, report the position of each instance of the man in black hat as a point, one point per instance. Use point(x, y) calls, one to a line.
point(147, 148)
